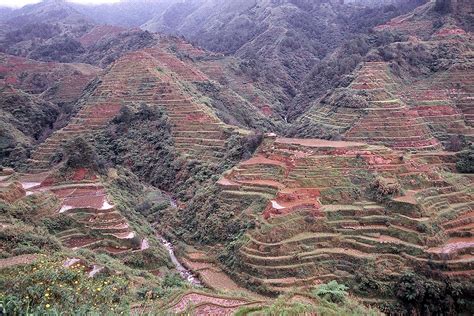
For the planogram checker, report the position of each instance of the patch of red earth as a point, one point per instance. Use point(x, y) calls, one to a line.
point(12, 67)
point(373, 159)
point(86, 201)
point(11, 80)
point(409, 197)
point(317, 143)
point(261, 160)
point(79, 191)
point(49, 181)
point(157, 272)
point(276, 208)
point(211, 309)
point(17, 260)
point(295, 194)
point(81, 174)
point(450, 31)
point(291, 200)
point(80, 242)
point(266, 110)
point(460, 221)
point(197, 299)
point(436, 110)
point(198, 117)
point(224, 182)
point(453, 245)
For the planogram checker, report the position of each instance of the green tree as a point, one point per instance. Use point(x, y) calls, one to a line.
point(332, 291)
point(465, 163)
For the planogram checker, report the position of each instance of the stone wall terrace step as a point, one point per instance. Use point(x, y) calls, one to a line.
point(199, 144)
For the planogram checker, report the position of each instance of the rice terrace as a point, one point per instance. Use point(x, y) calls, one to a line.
point(244, 157)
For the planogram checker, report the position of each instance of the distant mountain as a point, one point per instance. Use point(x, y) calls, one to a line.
point(282, 41)
point(4, 12)
point(56, 30)
point(127, 13)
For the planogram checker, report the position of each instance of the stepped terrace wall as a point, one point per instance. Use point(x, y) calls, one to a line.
point(323, 220)
point(159, 80)
point(99, 225)
point(375, 115)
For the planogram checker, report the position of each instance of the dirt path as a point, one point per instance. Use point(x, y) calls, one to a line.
point(17, 260)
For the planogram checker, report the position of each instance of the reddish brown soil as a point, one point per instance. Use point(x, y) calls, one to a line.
point(197, 299)
point(71, 79)
point(86, 201)
point(226, 182)
point(12, 192)
point(318, 143)
point(80, 242)
point(409, 197)
point(450, 32)
point(261, 160)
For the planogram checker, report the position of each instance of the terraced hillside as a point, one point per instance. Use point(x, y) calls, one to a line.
point(178, 85)
point(35, 99)
point(159, 80)
point(87, 215)
point(100, 225)
point(59, 83)
point(333, 207)
point(386, 112)
point(387, 120)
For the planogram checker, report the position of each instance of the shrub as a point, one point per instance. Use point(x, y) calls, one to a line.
point(47, 286)
point(421, 295)
point(332, 292)
point(78, 153)
point(443, 6)
point(58, 223)
point(173, 280)
point(465, 163)
point(456, 143)
point(383, 188)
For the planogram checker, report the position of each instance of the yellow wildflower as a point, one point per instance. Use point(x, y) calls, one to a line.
point(47, 305)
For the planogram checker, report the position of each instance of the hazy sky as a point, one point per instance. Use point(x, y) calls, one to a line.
point(20, 3)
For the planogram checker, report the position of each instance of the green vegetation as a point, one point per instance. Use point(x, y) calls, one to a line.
point(24, 120)
point(424, 295)
point(465, 164)
point(291, 56)
point(47, 286)
point(79, 153)
point(332, 292)
point(383, 189)
point(304, 305)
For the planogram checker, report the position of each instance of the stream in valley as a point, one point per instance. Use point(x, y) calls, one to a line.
point(186, 274)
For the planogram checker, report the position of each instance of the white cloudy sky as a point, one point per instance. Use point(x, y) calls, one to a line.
point(20, 3)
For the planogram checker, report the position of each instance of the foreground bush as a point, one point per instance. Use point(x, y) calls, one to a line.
point(48, 287)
